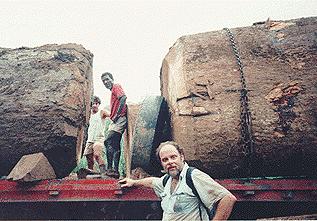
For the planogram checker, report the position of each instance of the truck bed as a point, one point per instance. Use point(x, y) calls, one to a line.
point(257, 197)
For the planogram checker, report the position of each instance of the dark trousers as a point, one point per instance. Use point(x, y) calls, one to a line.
point(112, 144)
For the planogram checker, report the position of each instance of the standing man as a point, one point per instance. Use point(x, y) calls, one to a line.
point(118, 115)
point(178, 199)
point(95, 141)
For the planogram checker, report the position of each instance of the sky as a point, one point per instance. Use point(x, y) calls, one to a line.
point(131, 38)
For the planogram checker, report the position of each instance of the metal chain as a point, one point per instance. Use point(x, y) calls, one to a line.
point(245, 115)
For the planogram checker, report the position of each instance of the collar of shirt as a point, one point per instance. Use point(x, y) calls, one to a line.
point(182, 175)
point(184, 171)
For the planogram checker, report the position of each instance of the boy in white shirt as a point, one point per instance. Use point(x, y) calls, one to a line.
point(95, 142)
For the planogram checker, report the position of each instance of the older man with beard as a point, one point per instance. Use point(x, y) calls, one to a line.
point(178, 199)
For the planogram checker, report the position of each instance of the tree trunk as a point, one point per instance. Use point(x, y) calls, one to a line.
point(201, 80)
point(45, 104)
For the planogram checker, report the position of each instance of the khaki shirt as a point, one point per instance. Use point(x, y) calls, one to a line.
point(182, 204)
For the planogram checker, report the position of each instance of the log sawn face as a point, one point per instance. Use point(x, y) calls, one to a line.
point(200, 79)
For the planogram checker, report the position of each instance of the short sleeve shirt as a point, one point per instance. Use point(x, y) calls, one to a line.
point(182, 204)
point(116, 93)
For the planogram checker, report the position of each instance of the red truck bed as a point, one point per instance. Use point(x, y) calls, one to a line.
point(108, 190)
point(249, 192)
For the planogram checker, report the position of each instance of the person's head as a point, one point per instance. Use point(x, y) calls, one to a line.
point(172, 157)
point(95, 102)
point(107, 80)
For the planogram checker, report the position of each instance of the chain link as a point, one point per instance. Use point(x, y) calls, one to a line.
point(245, 115)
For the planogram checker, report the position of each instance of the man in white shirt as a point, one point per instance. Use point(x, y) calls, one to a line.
point(178, 200)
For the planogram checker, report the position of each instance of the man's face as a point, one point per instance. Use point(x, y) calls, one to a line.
point(107, 81)
point(95, 107)
point(172, 161)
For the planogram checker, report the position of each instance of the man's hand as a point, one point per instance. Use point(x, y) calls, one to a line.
point(127, 182)
point(115, 119)
point(145, 182)
point(104, 114)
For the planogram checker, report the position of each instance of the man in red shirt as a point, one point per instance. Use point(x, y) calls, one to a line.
point(118, 115)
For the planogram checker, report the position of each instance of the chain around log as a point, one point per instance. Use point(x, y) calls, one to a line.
point(245, 115)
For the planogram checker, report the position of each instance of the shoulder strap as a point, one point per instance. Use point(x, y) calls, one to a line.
point(190, 183)
point(165, 179)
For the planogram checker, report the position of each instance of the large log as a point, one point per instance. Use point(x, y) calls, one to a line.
point(201, 80)
point(151, 127)
point(44, 104)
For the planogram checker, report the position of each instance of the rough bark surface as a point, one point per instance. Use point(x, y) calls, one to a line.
point(133, 110)
point(201, 80)
point(44, 104)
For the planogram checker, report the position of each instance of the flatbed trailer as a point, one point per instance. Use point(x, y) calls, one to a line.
point(104, 199)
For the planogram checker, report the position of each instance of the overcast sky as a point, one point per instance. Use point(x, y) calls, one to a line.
point(130, 38)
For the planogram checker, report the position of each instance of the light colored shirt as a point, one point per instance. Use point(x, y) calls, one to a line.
point(182, 204)
point(96, 128)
